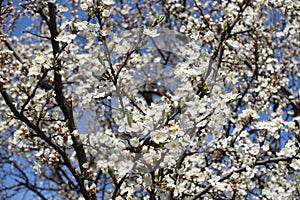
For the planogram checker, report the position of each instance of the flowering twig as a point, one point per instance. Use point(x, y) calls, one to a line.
point(17, 55)
point(226, 176)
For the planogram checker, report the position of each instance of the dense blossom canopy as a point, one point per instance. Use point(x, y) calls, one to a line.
point(160, 99)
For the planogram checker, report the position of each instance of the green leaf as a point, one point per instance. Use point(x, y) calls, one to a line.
point(129, 116)
point(67, 122)
point(159, 20)
point(225, 27)
point(43, 114)
point(50, 93)
point(111, 174)
point(205, 89)
point(237, 98)
point(141, 30)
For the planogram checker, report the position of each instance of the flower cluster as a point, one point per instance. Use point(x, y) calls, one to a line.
point(151, 99)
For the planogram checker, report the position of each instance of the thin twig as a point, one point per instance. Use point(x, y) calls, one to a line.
point(17, 55)
point(40, 36)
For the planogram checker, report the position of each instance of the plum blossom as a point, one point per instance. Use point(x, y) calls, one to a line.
point(125, 167)
point(206, 109)
point(295, 164)
point(134, 142)
point(289, 149)
point(209, 36)
point(151, 33)
point(84, 6)
point(108, 2)
point(34, 70)
point(159, 136)
point(106, 13)
point(69, 141)
point(67, 38)
point(255, 149)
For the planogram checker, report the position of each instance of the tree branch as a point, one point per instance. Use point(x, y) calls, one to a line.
point(11, 47)
point(226, 176)
point(63, 103)
point(9, 102)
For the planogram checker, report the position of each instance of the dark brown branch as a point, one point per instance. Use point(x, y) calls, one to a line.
point(129, 53)
point(27, 183)
point(64, 104)
point(9, 102)
point(118, 187)
point(37, 35)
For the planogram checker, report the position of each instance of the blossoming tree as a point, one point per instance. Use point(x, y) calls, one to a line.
point(161, 99)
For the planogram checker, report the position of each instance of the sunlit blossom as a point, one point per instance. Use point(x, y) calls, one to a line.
point(151, 33)
point(108, 2)
point(67, 38)
point(159, 136)
point(201, 106)
point(34, 70)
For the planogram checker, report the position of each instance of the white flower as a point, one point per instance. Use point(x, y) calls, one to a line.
point(108, 2)
point(106, 13)
point(266, 147)
point(86, 184)
point(99, 95)
point(235, 175)
point(255, 149)
point(130, 190)
point(209, 36)
point(85, 165)
point(151, 33)
point(295, 164)
point(105, 31)
point(134, 142)
point(75, 133)
point(125, 167)
point(65, 38)
point(81, 25)
point(69, 141)
point(249, 113)
point(114, 158)
point(84, 6)
point(93, 186)
point(120, 145)
point(289, 150)
point(40, 59)
point(37, 167)
point(159, 136)
point(34, 70)
point(172, 145)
